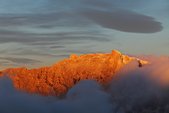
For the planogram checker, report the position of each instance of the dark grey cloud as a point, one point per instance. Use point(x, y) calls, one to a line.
point(126, 21)
point(98, 3)
point(21, 6)
point(49, 38)
point(29, 52)
point(62, 56)
point(120, 20)
point(43, 21)
point(86, 50)
point(114, 4)
point(20, 60)
point(167, 2)
point(53, 26)
point(3, 62)
point(15, 28)
point(57, 46)
point(130, 4)
point(46, 6)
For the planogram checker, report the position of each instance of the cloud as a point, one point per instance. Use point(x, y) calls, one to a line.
point(142, 89)
point(133, 89)
point(56, 46)
point(52, 38)
point(15, 101)
point(88, 100)
point(20, 60)
point(98, 3)
point(126, 21)
point(21, 6)
point(115, 4)
point(47, 28)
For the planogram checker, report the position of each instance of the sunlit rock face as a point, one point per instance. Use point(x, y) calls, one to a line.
point(60, 77)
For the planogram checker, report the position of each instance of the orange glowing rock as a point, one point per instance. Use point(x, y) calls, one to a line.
point(60, 77)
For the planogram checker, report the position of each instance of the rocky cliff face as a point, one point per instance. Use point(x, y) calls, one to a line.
point(60, 77)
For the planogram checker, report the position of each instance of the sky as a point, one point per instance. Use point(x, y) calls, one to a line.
point(39, 33)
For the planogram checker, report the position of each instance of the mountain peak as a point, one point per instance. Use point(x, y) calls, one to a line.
point(60, 77)
point(73, 56)
point(115, 52)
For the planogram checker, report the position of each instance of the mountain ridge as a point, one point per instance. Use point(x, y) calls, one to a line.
point(58, 78)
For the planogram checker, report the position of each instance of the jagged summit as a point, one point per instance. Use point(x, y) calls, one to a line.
point(60, 77)
point(115, 52)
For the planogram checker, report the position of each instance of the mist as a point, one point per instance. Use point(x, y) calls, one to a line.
point(132, 90)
